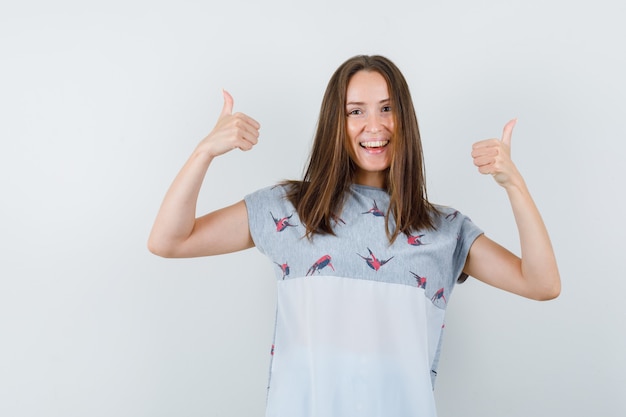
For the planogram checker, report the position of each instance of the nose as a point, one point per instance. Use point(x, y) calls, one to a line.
point(373, 123)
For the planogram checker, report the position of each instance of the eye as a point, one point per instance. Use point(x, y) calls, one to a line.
point(355, 112)
point(386, 108)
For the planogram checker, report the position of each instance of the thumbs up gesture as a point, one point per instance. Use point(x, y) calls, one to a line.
point(493, 156)
point(231, 131)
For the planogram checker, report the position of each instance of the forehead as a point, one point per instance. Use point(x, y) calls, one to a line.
point(366, 85)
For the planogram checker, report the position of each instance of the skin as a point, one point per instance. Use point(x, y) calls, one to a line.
point(535, 275)
point(178, 233)
point(370, 127)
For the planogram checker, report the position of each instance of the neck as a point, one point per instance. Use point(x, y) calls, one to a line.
point(375, 179)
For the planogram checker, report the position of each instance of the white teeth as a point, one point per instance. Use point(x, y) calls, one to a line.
point(375, 144)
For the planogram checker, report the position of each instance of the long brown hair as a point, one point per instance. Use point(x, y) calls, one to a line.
point(330, 171)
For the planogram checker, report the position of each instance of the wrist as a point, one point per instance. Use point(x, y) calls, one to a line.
point(517, 187)
point(203, 155)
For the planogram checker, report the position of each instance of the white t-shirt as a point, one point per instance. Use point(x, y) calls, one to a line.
point(359, 321)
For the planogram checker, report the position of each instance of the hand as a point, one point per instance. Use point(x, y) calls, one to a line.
point(231, 131)
point(493, 156)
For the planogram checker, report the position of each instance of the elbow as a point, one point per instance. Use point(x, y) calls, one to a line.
point(549, 295)
point(155, 249)
point(160, 249)
point(551, 292)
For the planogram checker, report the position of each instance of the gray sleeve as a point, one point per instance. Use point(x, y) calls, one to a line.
point(269, 213)
point(257, 217)
point(467, 234)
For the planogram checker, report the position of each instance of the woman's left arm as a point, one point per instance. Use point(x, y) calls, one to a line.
point(535, 275)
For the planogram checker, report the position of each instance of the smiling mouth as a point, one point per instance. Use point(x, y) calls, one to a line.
point(374, 144)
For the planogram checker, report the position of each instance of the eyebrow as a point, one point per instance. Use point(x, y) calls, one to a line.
point(360, 103)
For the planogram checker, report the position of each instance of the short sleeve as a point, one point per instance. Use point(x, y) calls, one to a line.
point(270, 218)
point(467, 234)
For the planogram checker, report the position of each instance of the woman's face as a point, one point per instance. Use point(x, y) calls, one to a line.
point(370, 127)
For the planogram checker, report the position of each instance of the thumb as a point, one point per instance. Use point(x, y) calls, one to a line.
point(228, 104)
point(507, 132)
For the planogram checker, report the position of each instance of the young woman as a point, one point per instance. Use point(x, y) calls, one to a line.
point(365, 263)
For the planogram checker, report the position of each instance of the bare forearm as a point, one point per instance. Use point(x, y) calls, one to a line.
point(177, 215)
point(535, 274)
point(538, 262)
point(176, 231)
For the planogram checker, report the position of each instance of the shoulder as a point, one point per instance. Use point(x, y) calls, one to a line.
point(449, 219)
point(271, 199)
point(271, 192)
point(446, 215)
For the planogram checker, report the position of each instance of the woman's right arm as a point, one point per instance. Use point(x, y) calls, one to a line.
point(176, 232)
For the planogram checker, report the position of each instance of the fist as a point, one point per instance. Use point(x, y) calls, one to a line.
point(231, 131)
point(493, 156)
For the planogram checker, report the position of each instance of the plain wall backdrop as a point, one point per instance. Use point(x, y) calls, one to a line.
point(102, 102)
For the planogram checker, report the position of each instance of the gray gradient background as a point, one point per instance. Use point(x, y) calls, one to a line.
point(100, 105)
